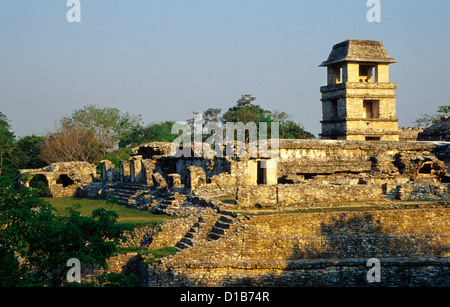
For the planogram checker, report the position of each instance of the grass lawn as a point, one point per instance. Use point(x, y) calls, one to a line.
point(126, 215)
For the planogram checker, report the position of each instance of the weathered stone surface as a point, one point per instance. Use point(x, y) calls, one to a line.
point(328, 249)
point(437, 132)
point(65, 178)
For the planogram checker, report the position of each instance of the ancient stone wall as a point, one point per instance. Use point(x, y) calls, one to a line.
point(319, 249)
point(130, 263)
point(424, 192)
point(395, 272)
point(265, 196)
point(63, 179)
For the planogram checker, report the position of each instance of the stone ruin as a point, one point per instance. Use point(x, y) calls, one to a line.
point(305, 172)
point(365, 160)
point(62, 179)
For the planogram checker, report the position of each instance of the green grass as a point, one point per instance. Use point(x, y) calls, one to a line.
point(151, 255)
point(126, 215)
point(156, 254)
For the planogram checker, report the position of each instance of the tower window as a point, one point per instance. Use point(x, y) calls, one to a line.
point(334, 109)
point(367, 73)
point(336, 74)
point(261, 172)
point(371, 108)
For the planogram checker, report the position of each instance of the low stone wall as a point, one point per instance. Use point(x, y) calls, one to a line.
point(423, 192)
point(170, 232)
point(399, 272)
point(319, 249)
point(130, 263)
point(266, 196)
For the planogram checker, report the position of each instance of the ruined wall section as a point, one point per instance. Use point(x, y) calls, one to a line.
point(330, 248)
point(64, 178)
point(284, 195)
point(306, 159)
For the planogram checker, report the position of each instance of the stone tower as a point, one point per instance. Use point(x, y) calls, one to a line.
point(358, 102)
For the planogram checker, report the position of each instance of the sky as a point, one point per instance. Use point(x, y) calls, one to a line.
point(164, 59)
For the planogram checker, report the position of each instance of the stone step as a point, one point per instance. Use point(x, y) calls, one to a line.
point(213, 236)
point(131, 187)
point(180, 246)
point(217, 231)
point(187, 241)
point(222, 226)
point(225, 213)
point(191, 236)
point(124, 194)
point(225, 220)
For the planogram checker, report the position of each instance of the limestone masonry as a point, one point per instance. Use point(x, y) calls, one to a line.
point(358, 102)
point(380, 192)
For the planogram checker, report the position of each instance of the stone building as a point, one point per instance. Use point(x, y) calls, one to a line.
point(437, 132)
point(62, 179)
point(358, 102)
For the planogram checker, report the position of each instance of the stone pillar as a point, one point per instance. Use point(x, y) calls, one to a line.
point(107, 171)
point(196, 177)
point(135, 169)
point(147, 167)
point(175, 181)
point(124, 171)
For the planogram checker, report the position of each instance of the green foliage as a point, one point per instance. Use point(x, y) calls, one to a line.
point(155, 132)
point(40, 186)
point(160, 253)
point(30, 230)
point(245, 111)
point(126, 215)
point(27, 152)
point(108, 280)
point(115, 156)
point(108, 124)
point(116, 280)
point(7, 145)
point(291, 130)
point(426, 120)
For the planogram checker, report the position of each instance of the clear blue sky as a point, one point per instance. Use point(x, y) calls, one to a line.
point(164, 59)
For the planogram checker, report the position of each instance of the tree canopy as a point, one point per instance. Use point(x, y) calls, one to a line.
point(246, 111)
point(7, 145)
point(35, 243)
point(426, 120)
point(154, 132)
point(109, 125)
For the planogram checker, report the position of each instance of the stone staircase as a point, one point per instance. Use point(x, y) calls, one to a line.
point(126, 193)
point(223, 225)
point(192, 236)
point(208, 228)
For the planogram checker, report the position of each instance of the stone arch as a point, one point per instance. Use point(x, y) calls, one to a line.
point(40, 182)
point(65, 180)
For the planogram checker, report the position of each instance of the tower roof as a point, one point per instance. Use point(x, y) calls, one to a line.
point(353, 50)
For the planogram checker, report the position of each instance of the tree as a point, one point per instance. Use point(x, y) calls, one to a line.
point(71, 143)
point(35, 243)
point(427, 120)
point(108, 124)
point(27, 152)
point(245, 111)
point(7, 145)
point(154, 132)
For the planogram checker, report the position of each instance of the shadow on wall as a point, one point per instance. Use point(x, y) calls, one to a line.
point(350, 243)
point(336, 256)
